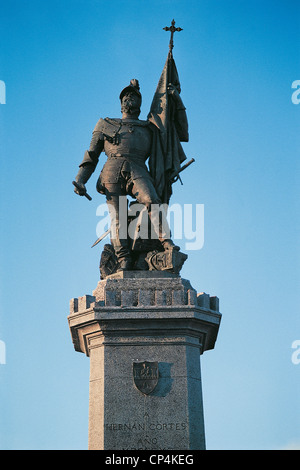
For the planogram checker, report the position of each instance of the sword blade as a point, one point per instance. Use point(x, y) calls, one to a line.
point(101, 238)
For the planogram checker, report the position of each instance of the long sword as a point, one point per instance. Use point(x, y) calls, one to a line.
point(101, 238)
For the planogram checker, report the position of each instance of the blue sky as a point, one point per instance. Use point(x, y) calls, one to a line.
point(64, 65)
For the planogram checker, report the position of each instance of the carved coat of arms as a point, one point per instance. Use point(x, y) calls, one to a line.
point(145, 376)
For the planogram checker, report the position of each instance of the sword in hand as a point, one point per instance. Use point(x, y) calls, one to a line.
point(81, 191)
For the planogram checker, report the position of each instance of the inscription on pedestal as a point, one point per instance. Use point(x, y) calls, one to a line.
point(147, 435)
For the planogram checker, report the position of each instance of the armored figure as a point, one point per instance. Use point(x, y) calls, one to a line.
point(128, 143)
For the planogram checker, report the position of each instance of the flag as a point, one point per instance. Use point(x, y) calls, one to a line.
point(167, 153)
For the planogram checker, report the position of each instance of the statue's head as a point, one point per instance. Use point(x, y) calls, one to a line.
point(131, 98)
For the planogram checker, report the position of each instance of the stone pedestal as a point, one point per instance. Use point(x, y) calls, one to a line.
point(144, 333)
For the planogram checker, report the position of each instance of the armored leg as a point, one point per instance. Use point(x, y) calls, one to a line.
point(145, 193)
point(117, 206)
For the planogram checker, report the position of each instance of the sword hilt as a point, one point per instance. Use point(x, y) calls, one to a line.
point(176, 174)
point(80, 189)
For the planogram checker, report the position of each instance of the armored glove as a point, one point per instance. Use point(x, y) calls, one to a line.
point(82, 177)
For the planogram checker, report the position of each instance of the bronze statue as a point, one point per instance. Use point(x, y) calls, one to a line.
point(128, 143)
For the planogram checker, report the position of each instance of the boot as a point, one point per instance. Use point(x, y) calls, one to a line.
point(124, 264)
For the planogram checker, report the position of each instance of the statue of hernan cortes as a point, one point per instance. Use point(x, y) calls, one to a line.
point(128, 143)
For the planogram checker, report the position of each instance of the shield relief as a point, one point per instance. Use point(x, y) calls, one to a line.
point(145, 376)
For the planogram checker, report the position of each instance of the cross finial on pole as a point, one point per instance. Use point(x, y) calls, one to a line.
point(172, 29)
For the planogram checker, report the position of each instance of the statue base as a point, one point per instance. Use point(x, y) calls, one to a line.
point(144, 332)
point(156, 259)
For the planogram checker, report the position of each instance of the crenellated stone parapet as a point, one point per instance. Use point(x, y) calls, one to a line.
point(137, 289)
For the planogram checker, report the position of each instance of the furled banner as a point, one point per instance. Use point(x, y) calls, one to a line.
point(167, 153)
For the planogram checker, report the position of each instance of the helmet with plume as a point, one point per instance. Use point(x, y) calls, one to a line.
point(133, 87)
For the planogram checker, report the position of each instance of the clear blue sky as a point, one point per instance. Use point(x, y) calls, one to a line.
point(64, 64)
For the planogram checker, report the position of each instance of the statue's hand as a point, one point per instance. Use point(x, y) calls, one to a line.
point(174, 93)
point(172, 90)
point(81, 190)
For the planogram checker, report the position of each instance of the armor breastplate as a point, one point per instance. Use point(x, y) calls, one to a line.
point(127, 146)
point(132, 141)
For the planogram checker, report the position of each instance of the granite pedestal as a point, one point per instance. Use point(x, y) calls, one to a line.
point(144, 333)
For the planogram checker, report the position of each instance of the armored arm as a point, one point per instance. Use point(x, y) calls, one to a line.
point(90, 160)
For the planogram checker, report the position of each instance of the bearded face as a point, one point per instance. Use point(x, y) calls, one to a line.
point(131, 104)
